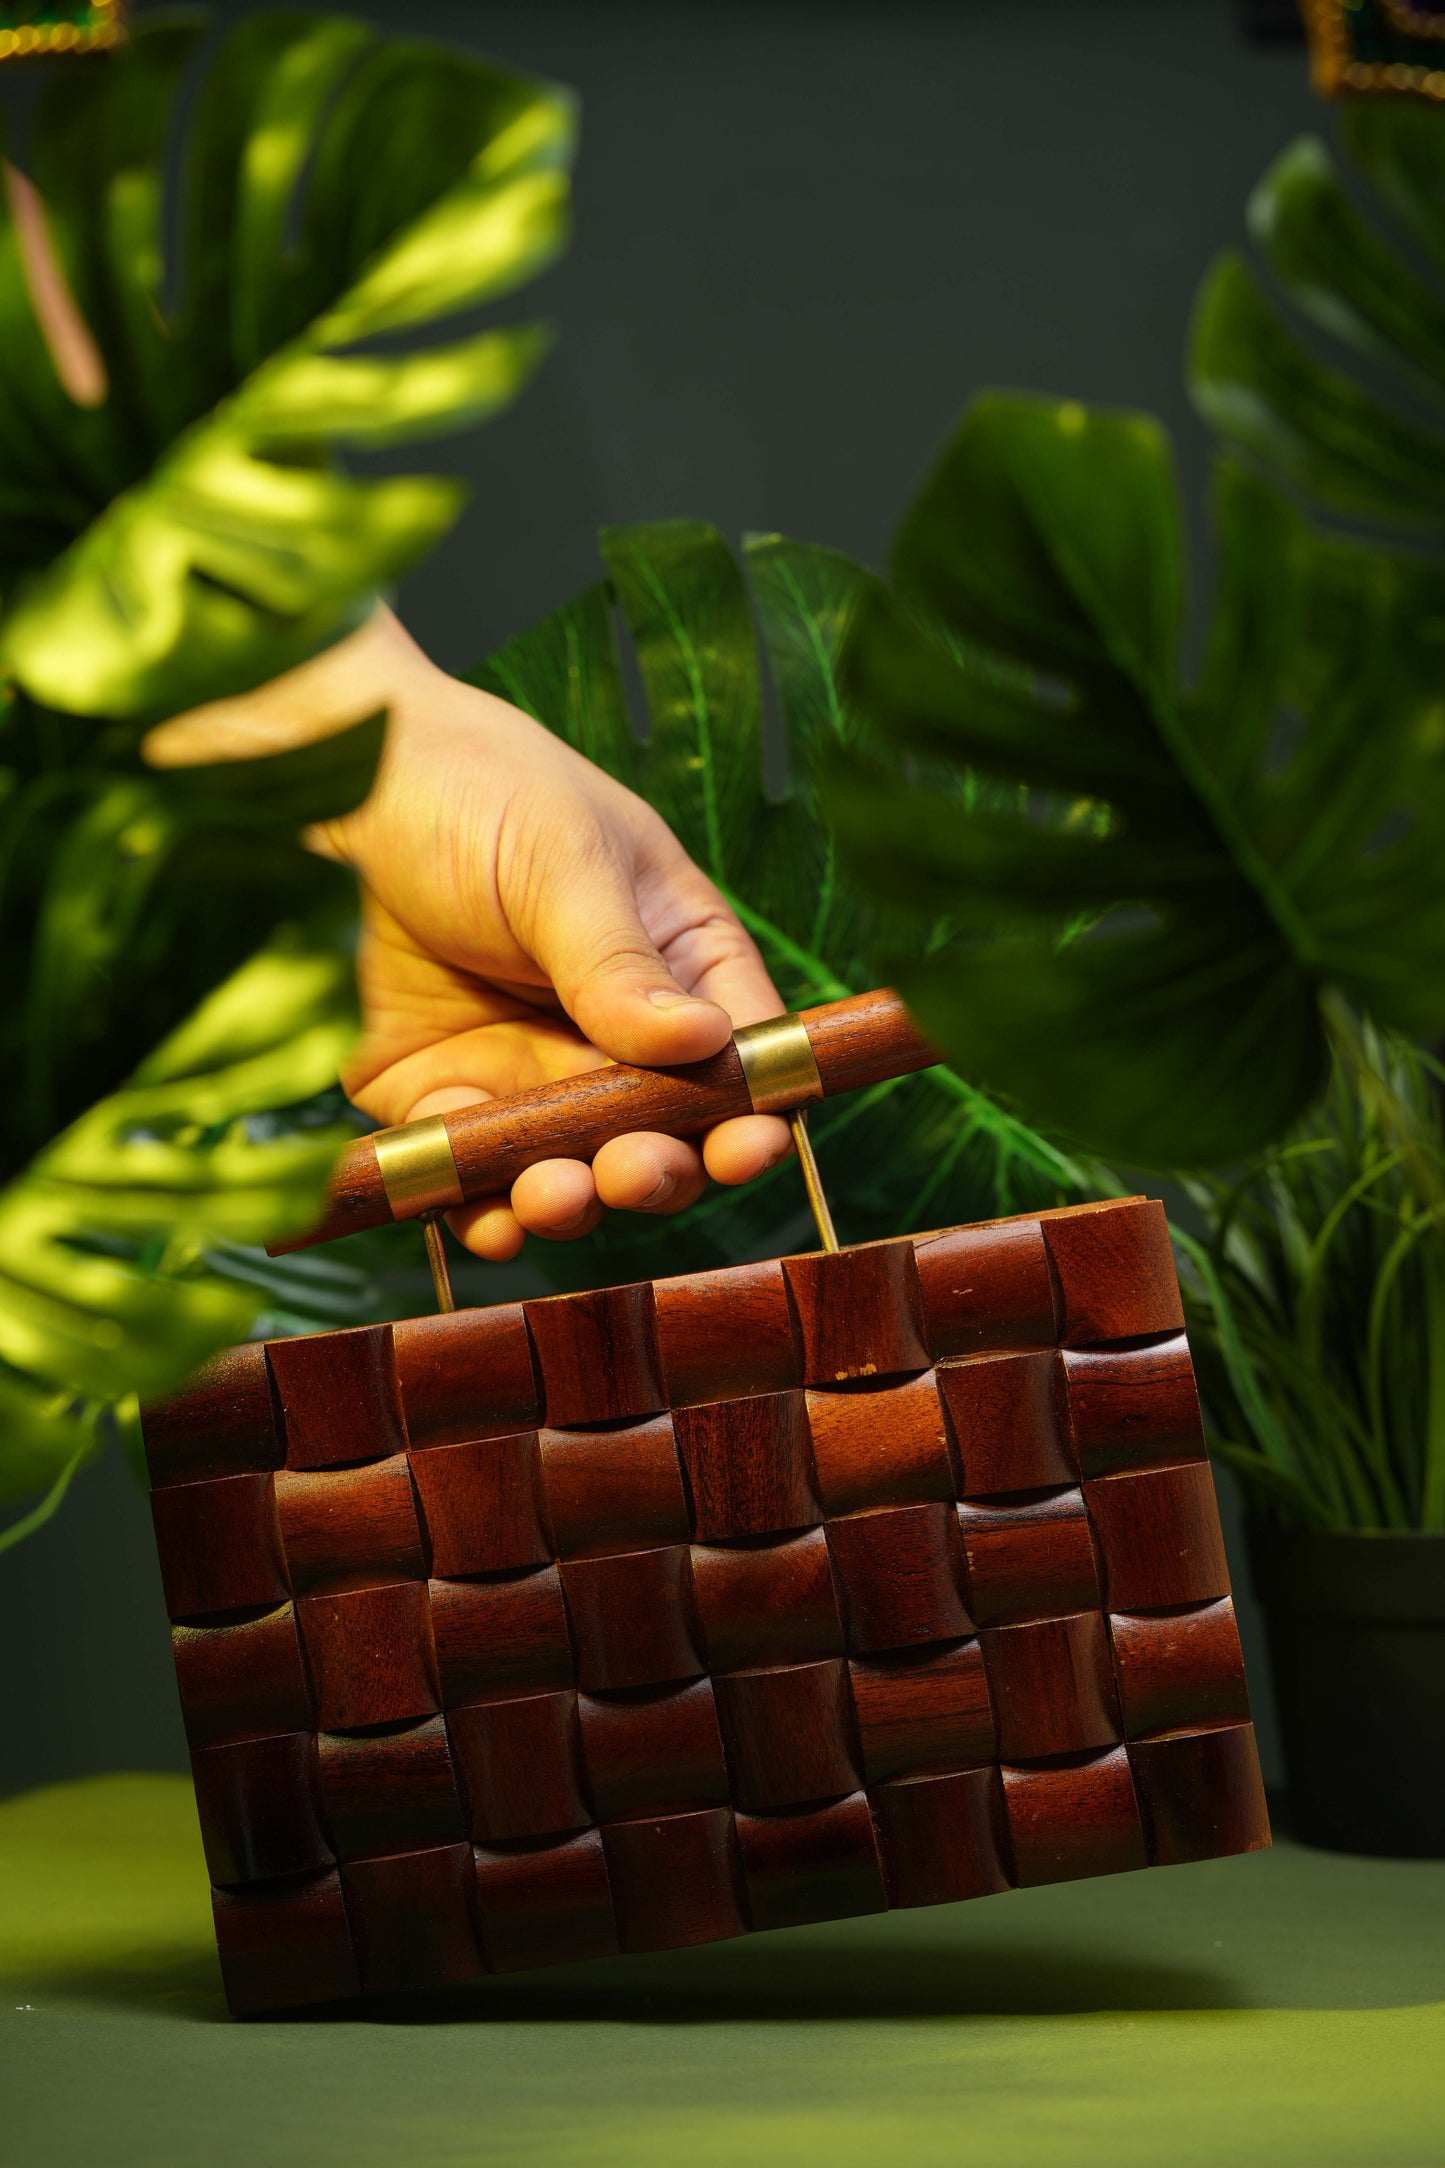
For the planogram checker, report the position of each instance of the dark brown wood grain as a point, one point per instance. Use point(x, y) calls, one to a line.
point(865, 1040)
point(676, 1879)
point(942, 1837)
point(723, 1334)
point(1005, 1417)
point(1114, 1271)
point(986, 1288)
point(652, 1751)
point(548, 1905)
point(883, 1448)
point(632, 1619)
point(772, 1603)
point(220, 1545)
point(1132, 1407)
point(1079, 1818)
point(507, 1636)
point(521, 1762)
point(285, 1944)
point(817, 1863)
point(1030, 1557)
point(749, 1467)
point(1177, 1668)
point(597, 1354)
point(1052, 1686)
point(223, 1424)
point(466, 1375)
point(411, 1918)
point(1159, 1538)
point(900, 1572)
point(1202, 1794)
point(241, 1680)
point(789, 1734)
point(389, 1791)
point(257, 1804)
point(482, 1504)
point(858, 1312)
point(338, 1397)
point(613, 1490)
point(349, 1527)
point(928, 1710)
point(369, 1652)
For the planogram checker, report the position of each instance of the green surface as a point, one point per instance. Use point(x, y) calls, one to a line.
point(1283, 2008)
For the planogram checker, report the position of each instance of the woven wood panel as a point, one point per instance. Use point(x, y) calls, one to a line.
point(641, 1618)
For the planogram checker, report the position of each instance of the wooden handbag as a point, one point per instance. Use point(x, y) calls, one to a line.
point(882, 1575)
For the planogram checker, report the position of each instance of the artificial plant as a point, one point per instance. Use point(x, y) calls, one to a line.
point(176, 526)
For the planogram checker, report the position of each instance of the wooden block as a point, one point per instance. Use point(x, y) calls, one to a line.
point(927, 1710)
point(632, 1619)
point(817, 1864)
point(652, 1751)
point(888, 1447)
point(501, 1638)
point(1202, 1794)
point(521, 1762)
point(942, 1837)
point(369, 1652)
point(548, 1905)
point(1006, 1421)
point(789, 1734)
point(598, 1356)
point(859, 1312)
point(257, 1805)
point(241, 1681)
point(283, 1945)
point(986, 1288)
point(482, 1503)
point(900, 1572)
point(224, 1423)
point(338, 1397)
point(771, 1603)
point(389, 1791)
point(411, 1918)
point(220, 1546)
point(1114, 1271)
point(1052, 1686)
point(748, 1466)
point(721, 1335)
point(1159, 1538)
point(676, 1879)
point(613, 1490)
point(1030, 1559)
point(467, 1375)
point(349, 1527)
point(1133, 1407)
point(1178, 1668)
point(1073, 1820)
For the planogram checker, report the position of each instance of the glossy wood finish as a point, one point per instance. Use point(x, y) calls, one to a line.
point(482, 1505)
point(749, 1466)
point(1178, 1668)
point(1030, 1557)
point(226, 1424)
point(724, 1334)
point(632, 1619)
point(502, 1637)
point(942, 1837)
point(549, 1905)
point(1005, 1417)
point(900, 1572)
point(521, 1763)
point(1202, 1794)
point(613, 1490)
point(220, 1545)
point(258, 1809)
point(1132, 1408)
point(597, 1355)
point(1052, 1686)
point(389, 1791)
point(772, 1603)
point(648, 1752)
point(986, 1288)
point(882, 1448)
point(467, 1375)
point(349, 1527)
point(927, 1711)
point(1113, 1271)
point(1159, 1538)
point(370, 1656)
point(789, 1734)
point(858, 1312)
point(338, 1396)
point(411, 1917)
point(243, 1679)
point(1074, 1820)
point(285, 1944)
point(817, 1864)
point(676, 1879)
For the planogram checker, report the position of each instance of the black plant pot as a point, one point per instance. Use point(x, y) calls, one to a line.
point(1357, 1643)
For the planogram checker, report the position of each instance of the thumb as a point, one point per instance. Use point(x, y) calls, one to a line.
point(609, 976)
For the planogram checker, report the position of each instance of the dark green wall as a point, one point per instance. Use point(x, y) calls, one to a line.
point(805, 234)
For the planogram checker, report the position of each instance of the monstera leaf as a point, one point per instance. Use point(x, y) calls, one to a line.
point(106, 1290)
point(1372, 448)
point(917, 1152)
point(188, 531)
point(1141, 950)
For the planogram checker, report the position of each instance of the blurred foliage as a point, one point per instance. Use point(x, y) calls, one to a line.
point(915, 1152)
point(189, 535)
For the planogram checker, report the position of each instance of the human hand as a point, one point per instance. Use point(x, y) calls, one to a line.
point(524, 918)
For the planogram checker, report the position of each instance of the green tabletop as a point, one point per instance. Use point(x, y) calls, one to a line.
point(1284, 2008)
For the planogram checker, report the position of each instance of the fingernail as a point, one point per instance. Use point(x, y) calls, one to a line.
point(668, 997)
point(659, 1195)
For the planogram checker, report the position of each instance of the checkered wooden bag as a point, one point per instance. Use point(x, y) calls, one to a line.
point(880, 1576)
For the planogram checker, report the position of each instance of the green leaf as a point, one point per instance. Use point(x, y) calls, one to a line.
point(1138, 949)
point(918, 1152)
point(194, 534)
point(105, 1289)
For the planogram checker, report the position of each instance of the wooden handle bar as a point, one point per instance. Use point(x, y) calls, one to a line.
point(854, 1043)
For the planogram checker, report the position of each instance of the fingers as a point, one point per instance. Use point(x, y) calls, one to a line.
point(739, 1150)
point(563, 1199)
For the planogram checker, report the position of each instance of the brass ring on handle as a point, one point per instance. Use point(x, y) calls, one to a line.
point(778, 1064)
point(418, 1170)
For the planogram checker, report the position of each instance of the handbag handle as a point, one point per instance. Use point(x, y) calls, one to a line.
point(446, 1160)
